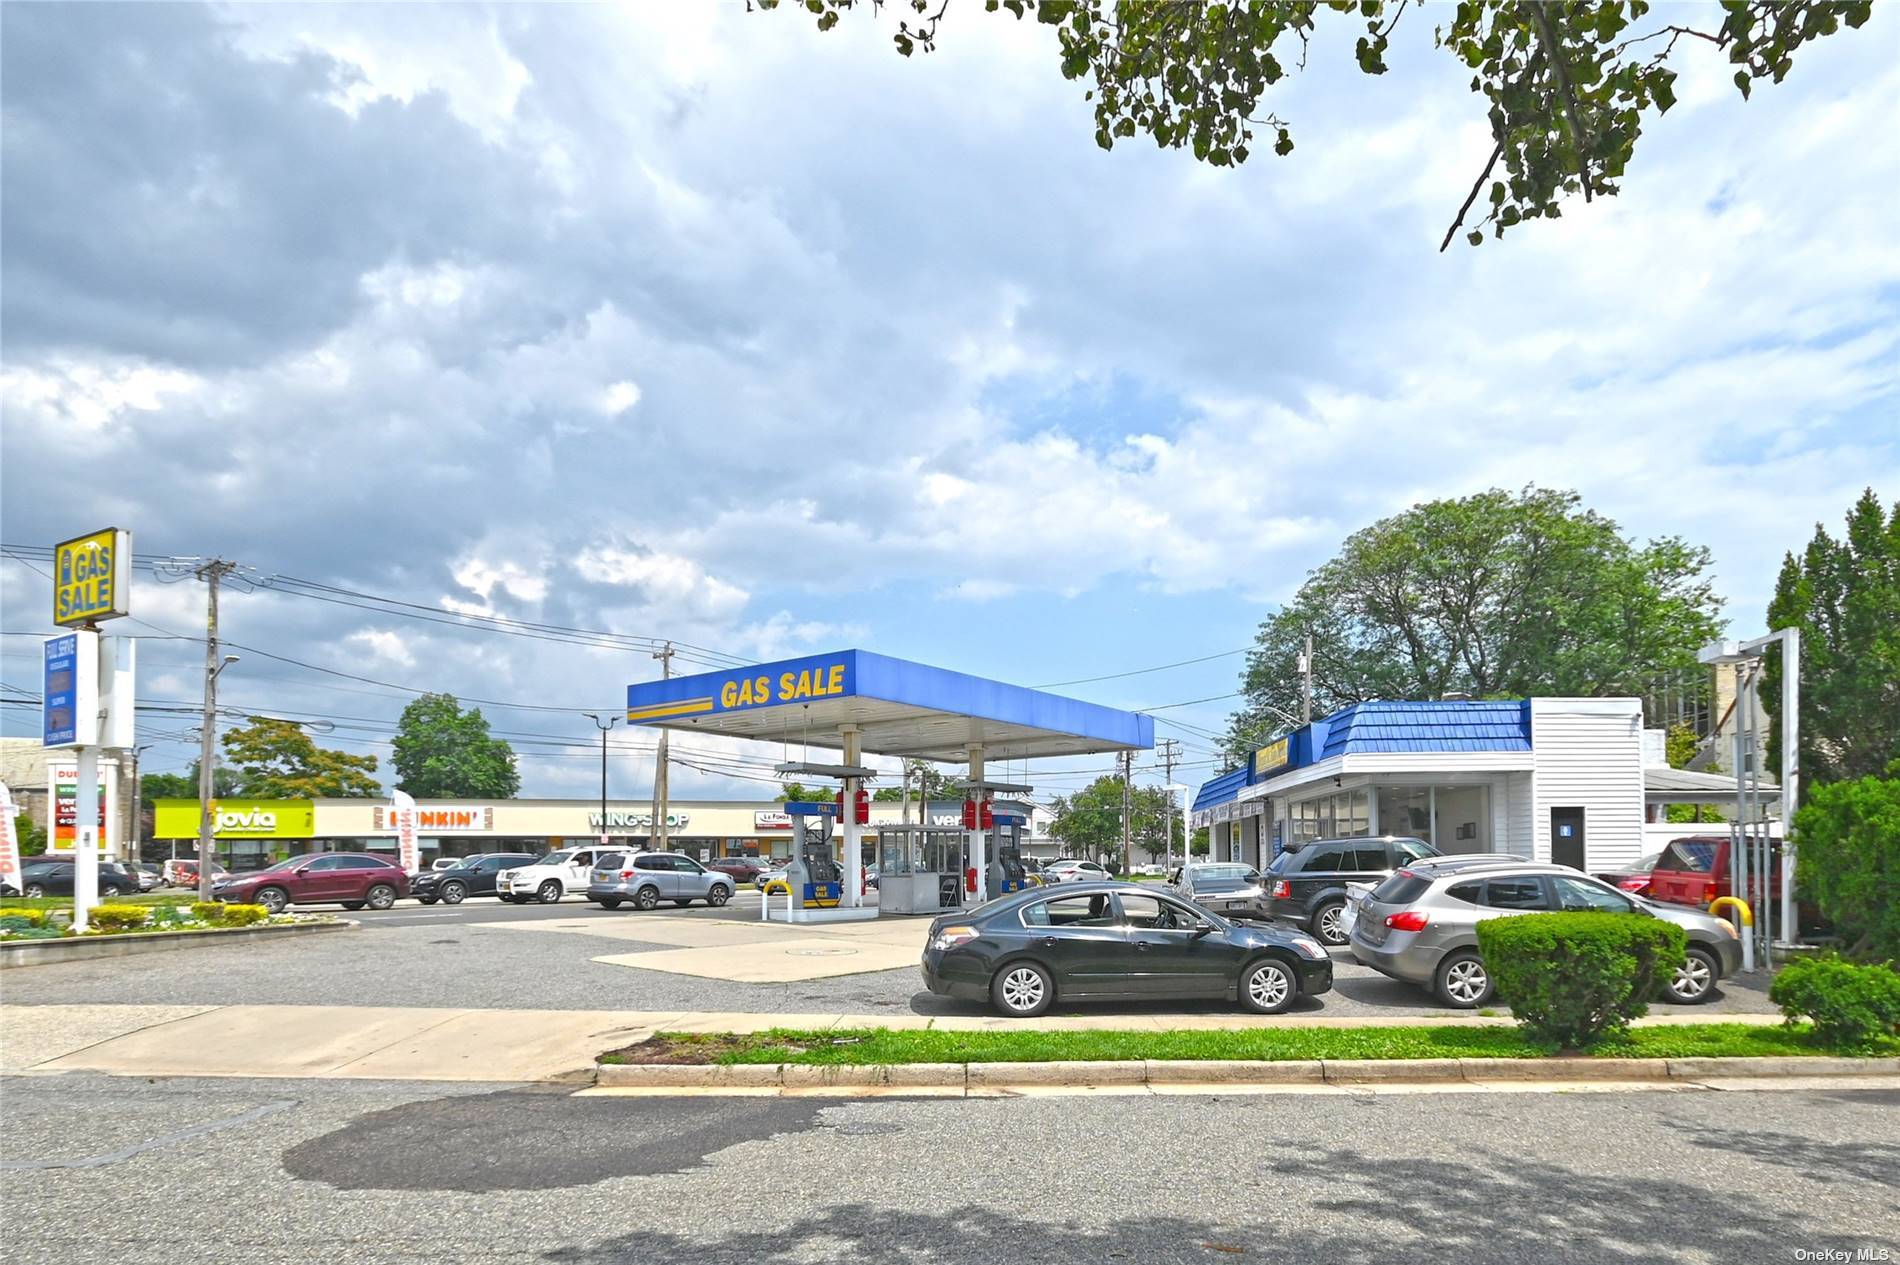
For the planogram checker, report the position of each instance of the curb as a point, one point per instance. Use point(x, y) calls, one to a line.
point(85, 948)
point(1343, 1072)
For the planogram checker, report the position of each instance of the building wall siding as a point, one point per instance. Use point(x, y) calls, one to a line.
point(1519, 835)
point(1590, 755)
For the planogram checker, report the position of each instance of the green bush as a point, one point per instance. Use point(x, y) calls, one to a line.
point(243, 915)
point(207, 910)
point(1847, 860)
point(1573, 979)
point(36, 933)
point(1852, 1005)
point(118, 917)
point(22, 919)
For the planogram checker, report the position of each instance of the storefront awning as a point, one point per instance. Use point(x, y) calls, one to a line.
point(1687, 786)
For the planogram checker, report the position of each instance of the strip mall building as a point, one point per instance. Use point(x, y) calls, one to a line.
point(254, 832)
point(1578, 781)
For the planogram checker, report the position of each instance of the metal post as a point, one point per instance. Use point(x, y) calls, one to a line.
point(1790, 772)
point(853, 867)
point(212, 572)
point(975, 859)
point(86, 837)
point(1736, 846)
point(656, 833)
point(603, 724)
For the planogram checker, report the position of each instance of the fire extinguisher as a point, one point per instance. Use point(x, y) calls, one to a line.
point(984, 821)
point(969, 880)
point(861, 806)
point(838, 799)
point(969, 814)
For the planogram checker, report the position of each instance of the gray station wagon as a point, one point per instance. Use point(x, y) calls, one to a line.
point(647, 878)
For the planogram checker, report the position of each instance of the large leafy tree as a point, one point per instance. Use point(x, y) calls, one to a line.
point(444, 752)
point(1567, 84)
point(1844, 596)
point(936, 785)
point(276, 759)
point(1089, 822)
point(155, 786)
point(1492, 595)
point(1847, 837)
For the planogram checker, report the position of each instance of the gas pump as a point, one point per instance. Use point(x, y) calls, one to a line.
point(1006, 854)
point(813, 875)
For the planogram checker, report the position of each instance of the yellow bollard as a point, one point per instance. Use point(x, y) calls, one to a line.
point(1748, 915)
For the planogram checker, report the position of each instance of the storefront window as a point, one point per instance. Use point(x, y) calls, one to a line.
point(1452, 819)
point(1342, 815)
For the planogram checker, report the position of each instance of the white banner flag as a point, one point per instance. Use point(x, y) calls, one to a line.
point(9, 842)
point(408, 847)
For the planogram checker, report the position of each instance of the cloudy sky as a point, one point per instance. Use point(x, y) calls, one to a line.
point(680, 322)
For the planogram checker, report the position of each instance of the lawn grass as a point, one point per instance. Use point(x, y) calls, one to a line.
point(887, 1046)
point(66, 902)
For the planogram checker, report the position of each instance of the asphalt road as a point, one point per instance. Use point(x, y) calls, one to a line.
point(259, 1172)
point(448, 955)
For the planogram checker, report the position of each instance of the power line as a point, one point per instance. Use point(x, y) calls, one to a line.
point(1116, 676)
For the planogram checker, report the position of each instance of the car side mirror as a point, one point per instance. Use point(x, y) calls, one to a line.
point(1202, 931)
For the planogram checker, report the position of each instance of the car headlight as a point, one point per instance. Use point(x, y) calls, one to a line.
point(1307, 947)
point(1728, 929)
point(951, 937)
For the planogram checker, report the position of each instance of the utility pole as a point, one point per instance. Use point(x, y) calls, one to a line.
point(1169, 751)
point(1306, 681)
point(1127, 761)
point(603, 724)
point(211, 572)
point(657, 834)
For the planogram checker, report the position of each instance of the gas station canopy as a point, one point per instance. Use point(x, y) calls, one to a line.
point(899, 709)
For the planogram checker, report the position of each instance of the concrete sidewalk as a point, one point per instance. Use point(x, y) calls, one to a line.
point(423, 1043)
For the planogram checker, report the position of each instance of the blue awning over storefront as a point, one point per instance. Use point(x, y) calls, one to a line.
point(1220, 790)
point(1476, 725)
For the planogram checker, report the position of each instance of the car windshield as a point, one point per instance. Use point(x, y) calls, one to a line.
point(555, 858)
point(1402, 888)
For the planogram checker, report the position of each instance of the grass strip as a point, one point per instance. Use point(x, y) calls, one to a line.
point(862, 1046)
point(66, 902)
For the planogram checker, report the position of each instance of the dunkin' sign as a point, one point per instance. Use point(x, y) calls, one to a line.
point(436, 820)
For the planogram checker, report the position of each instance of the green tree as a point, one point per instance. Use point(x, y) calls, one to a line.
point(1493, 595)
point(276, 759)
point(797, 792)
point(1680, 746)
point(936, 786)
point(1089, 822)
point(1847, 859)
point(1567, 86)
point(155, 786)
point(1844, 596)
point(32, 835)
point(443, 752)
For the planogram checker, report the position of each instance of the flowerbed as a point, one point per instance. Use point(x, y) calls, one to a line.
point(120, 920)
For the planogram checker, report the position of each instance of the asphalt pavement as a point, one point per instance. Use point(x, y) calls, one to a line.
point(260, 1172)
point(450, 955)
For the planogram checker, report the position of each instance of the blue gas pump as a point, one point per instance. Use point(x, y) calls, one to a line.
point(816, 879)
point(1006, 853)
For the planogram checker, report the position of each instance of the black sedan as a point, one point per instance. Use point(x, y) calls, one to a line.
point(1226, 887)
point(57, 878)
point(475, 876)
point(1120, 941)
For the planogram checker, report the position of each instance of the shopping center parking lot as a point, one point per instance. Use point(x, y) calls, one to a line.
point(576, 956)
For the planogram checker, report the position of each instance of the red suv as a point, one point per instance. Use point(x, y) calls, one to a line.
point(351, 879)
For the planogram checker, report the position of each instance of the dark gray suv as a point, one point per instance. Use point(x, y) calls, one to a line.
point(1306, 884)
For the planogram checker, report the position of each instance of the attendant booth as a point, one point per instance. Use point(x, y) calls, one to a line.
point(865, 705)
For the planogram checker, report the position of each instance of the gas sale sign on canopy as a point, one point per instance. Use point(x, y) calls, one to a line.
point(92, 577)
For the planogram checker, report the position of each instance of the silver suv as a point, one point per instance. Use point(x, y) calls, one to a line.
point(647, 878)
point(1420, 925)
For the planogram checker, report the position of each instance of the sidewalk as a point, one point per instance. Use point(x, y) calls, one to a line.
point(420, 1043)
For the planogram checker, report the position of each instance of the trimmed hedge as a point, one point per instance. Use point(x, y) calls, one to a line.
point(22, 919)
point(242, 915)
point(1572, 979)
point(1852, 1006)
point(210, 911)
point(118, 917)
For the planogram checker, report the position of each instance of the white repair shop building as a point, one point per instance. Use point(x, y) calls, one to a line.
point(1554, 779)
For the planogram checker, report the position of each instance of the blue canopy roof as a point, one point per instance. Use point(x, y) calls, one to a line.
point(1477, 725)
point(1220, 789)
point(900, 708)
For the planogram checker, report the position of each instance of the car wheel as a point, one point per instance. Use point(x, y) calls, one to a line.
point(646, 898)
point(454, 893)
point(35, 891)
point(608, 902)
point(272, 898)
point(548, 892)
point(1268, 987)
point(1329, 923)
point(719, 895)
point(427, 900)
point(381, 896)
point(1463, 983)
point(109, 890)
point(1023, 990)
point(352, 905)
point(1695, 982)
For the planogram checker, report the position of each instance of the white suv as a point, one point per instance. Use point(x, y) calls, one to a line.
point(551, 877)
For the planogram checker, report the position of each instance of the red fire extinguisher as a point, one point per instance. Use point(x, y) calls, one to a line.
point(969, 814)
point(984, 821)
point(861, 806)
point(969, 880)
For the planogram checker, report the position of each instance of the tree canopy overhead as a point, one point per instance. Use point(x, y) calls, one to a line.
point(443, 752)
point(276, 759)
point(1566, 83)
point(1492, 595)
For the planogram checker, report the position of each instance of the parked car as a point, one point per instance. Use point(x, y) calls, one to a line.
point(185, 873)
point(469, 876)
point(1228, 888)
point(446, 863)
point(551, 876)
point(1306, 883)
point(149, 876)
point(1420, 925)
point(57, 877)
point(349, 879)
point(647, 878)
point(1085, 940)
point(1070, 871)
point(741, 870)
point(775, 882)
point(1634, 879)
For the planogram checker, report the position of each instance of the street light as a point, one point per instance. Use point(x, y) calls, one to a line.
point(604, 724)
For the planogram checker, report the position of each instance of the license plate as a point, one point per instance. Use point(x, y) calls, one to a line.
point(1348, 917)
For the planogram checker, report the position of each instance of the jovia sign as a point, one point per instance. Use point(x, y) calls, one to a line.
point(92, 577)
point(236, 819)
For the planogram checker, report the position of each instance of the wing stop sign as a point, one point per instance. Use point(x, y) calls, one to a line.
point(92, 577)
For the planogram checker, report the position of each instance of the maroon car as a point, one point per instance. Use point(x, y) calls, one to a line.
point(349, 879)
point(742, 869)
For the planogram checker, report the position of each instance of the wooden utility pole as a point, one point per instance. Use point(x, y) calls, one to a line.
point(211, 572)
point(656, 834)
point(1169, 750)
point(1306, 682)
point(1128, 769)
